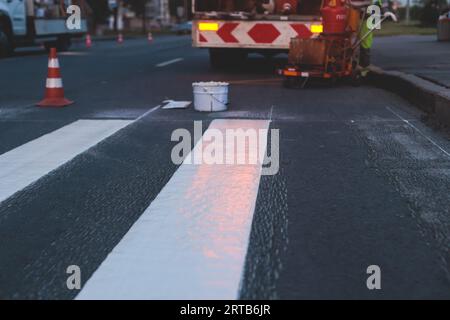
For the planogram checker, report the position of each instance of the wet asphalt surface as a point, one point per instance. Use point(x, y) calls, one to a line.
point(357, 185)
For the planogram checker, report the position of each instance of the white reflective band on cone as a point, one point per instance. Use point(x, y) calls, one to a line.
point(53, 63)
point(54, 83)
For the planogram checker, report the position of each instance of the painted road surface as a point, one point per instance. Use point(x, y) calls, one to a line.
point(194, 235)
point(27, 163)
point(363, 181)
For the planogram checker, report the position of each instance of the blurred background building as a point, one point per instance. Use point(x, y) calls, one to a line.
point(144, 15)
point(138, 15)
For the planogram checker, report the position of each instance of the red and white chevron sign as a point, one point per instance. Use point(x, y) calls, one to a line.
point(251, 34)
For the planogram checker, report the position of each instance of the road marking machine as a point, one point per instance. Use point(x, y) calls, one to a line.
point(334, 53)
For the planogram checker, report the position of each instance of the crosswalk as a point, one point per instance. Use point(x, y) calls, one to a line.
point(104, 195)
point(191, 241)
point(25, 164)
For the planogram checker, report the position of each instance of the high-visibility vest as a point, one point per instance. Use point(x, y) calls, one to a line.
point(368, 41)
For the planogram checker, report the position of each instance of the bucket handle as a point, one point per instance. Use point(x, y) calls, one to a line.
point(212, 96)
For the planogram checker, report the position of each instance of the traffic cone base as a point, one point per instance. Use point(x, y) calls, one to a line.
point(55, 102)
point(54, 91)
point(88, 41)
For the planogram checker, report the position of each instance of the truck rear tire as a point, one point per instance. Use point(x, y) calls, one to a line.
point(226, 58)
point(6, 48)
point(216, 58)
point(61, 45)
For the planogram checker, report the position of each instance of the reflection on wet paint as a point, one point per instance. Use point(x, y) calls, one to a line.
point(192, 241)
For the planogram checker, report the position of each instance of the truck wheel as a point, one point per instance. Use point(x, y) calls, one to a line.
point(49, 45)
point(226, 58)
point(6, 48)
point(289, 82)
point(356, 79)
point(216, 58)
point(61, 45)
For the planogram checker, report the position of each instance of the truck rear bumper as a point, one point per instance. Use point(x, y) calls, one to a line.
point(251, 34)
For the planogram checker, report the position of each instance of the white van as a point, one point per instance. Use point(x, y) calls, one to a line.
point(35, 22)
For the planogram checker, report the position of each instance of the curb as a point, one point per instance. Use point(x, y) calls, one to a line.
point(426, 95)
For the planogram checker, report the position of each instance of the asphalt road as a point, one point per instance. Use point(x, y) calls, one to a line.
point(362, 180)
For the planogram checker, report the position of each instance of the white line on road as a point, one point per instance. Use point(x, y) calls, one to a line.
point(148, 112)
point(166, 63)
point(27, 163)
point(73, 53)
point(419, 131)
point(191, 242)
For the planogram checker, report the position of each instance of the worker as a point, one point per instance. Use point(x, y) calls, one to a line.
point(365, 32)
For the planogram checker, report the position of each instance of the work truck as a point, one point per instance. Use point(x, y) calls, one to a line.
point(231, 29)
point(37, 22)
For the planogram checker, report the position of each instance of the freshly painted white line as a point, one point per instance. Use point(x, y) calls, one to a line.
point(73, 53)
point(148, 112)
point(166, 63)
point(27, 163)
point(419, 131)
point(191, 242)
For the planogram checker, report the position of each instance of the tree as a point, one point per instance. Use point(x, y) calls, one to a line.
point(139, 7)
point(431, 11)
point(100, 10)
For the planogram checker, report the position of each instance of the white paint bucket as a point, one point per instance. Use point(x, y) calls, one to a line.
point(210, 96)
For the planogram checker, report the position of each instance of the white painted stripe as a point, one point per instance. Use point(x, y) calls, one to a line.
point(53, 63)
point(166, 63)
point(419, 131)
point(73, 53)
point(148, 112)
point(54, 83)
point(27, 163)
point(191, 242)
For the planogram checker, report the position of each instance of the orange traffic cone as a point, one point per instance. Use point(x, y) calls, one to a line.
point(88, 41)
point(120, 38)
point(54, 91)
point(150, 37)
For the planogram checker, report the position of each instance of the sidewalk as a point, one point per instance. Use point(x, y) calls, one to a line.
point(418, 69)
point(422, 56)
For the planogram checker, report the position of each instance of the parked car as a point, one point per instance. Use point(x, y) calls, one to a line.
point(27, 22)
point(183, 28)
